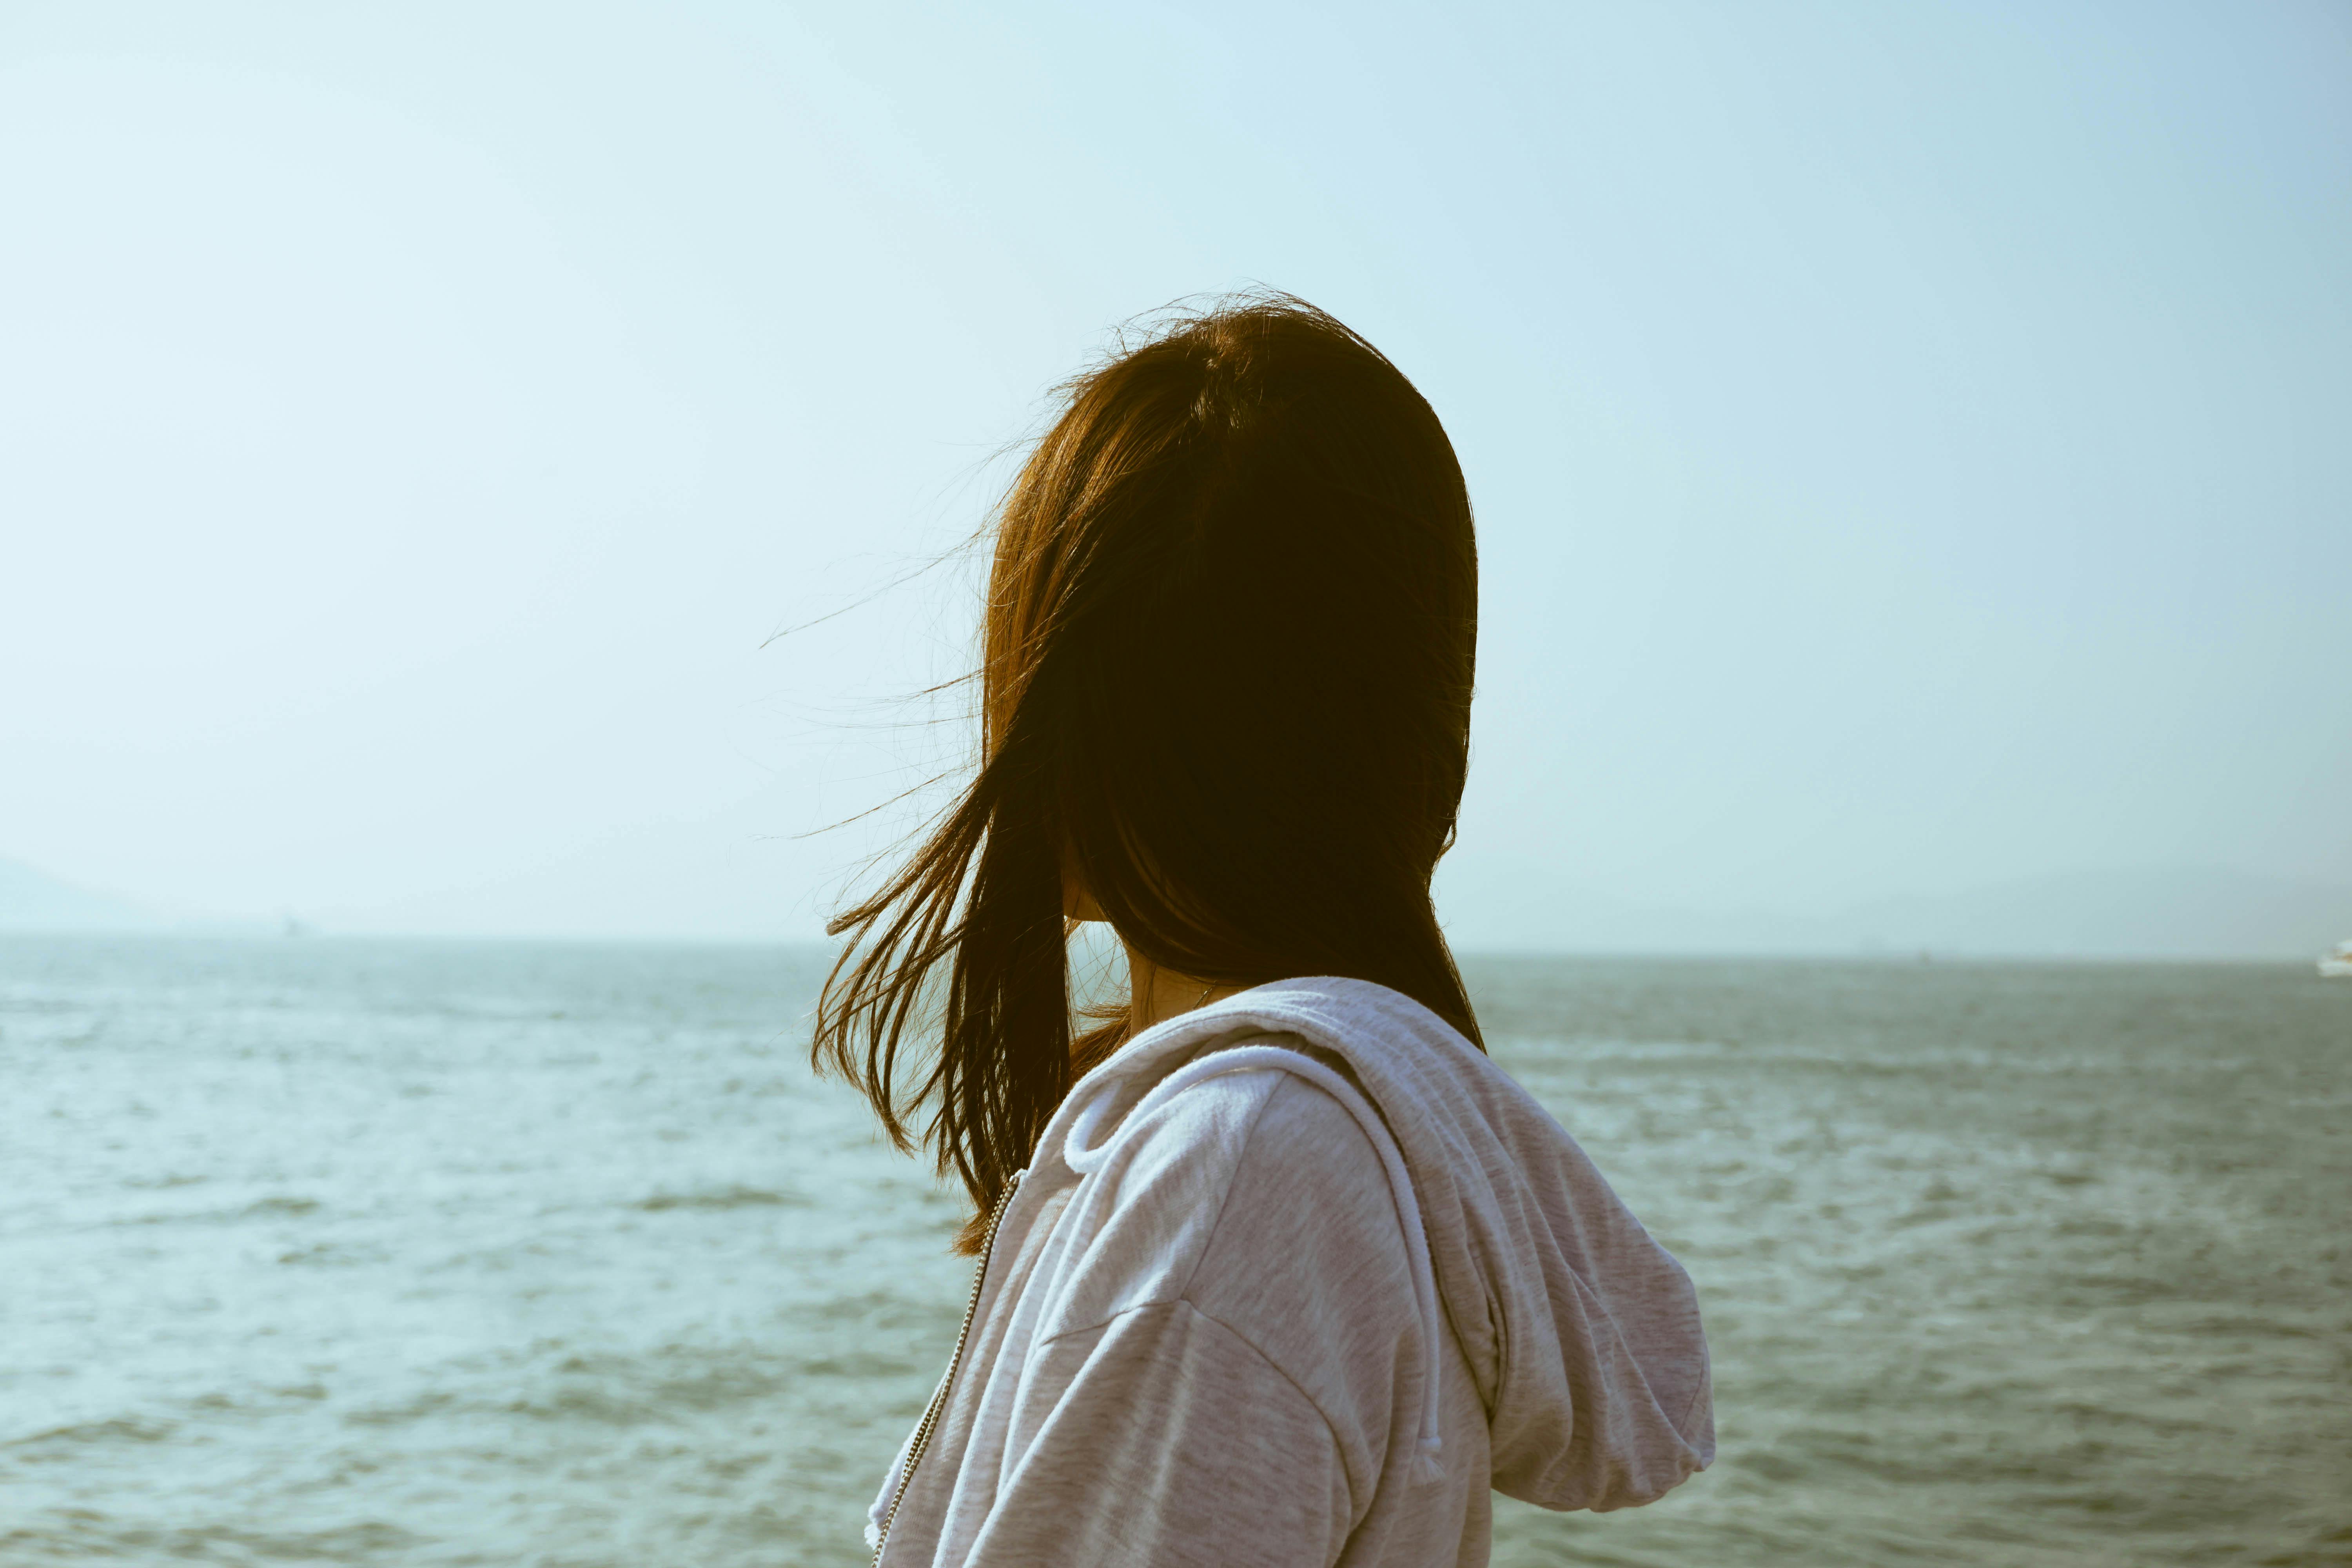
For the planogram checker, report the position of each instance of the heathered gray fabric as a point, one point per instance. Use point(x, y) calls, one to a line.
point(1206, 1348)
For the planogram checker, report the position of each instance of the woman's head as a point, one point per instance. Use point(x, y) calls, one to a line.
point(1226, 681)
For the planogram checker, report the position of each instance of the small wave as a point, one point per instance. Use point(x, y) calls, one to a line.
point(82, 1532)
point(866, 1366)
point(608, 1407)
point(267, 1208)
point(422, 1407)
point(120, 1429)
point(331, 1255)
point(727, 1198)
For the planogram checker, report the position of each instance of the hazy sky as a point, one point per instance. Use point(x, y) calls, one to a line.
point(1909, 441)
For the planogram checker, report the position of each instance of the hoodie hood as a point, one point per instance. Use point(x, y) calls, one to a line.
point(1581, 1333)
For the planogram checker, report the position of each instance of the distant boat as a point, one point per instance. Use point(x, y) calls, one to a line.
point(2338, 965)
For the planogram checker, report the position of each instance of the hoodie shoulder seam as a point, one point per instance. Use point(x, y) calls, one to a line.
point(1183, 1291)
point(1179, 1291)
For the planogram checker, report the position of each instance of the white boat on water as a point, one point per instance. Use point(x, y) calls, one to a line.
point(2338, 965)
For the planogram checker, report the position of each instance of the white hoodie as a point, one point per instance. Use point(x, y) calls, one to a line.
point(1295, 1279)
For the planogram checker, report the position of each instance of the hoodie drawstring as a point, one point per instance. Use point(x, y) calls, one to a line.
point(1082, 1155)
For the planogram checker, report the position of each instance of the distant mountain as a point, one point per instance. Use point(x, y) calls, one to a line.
point(33, 901)
point(2141, 913)
point(2154, 912)
point(2161, 912)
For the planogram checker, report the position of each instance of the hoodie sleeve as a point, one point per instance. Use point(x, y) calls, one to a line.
point(1167, 1439)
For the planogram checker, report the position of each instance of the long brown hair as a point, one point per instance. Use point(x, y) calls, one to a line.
point(1225, 682)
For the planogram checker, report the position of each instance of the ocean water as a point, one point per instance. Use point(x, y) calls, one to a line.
point(365, 1253)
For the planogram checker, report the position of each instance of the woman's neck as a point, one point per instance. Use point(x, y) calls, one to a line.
point(1156, 994)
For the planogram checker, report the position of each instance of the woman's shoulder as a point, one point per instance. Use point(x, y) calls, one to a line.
point(1256, 1137)
point(1257, 1196)
point(1308, 1219)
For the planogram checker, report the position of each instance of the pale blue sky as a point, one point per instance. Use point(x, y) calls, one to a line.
point(1908, 440)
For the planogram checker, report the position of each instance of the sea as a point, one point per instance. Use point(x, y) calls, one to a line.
point(345, 1252)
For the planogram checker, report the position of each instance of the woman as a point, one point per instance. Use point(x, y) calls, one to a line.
point(1275, 1266)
